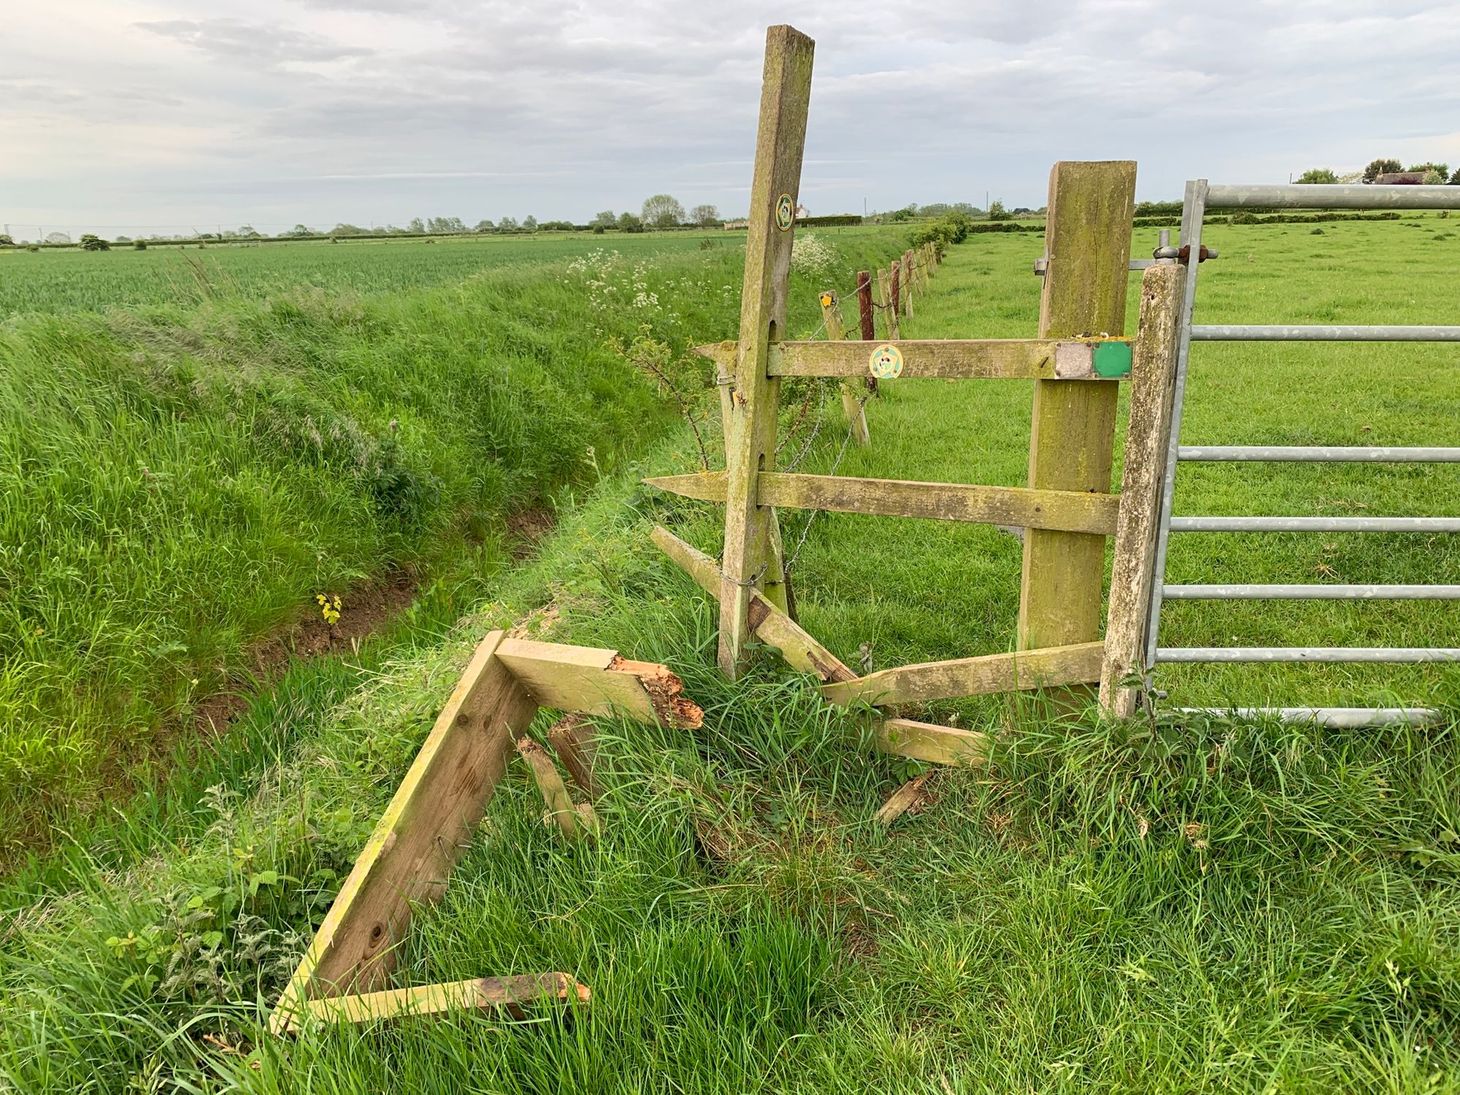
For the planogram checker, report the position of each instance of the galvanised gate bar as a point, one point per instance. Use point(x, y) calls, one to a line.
point(1200, 197)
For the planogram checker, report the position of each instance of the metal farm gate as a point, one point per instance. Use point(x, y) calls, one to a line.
point(1201, 197)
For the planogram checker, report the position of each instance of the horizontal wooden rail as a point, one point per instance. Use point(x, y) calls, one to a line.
point(1068, 511)
point(1048, 667)
point(946, 359)
point(931, 742)
point(900, 737)
point(509, 994)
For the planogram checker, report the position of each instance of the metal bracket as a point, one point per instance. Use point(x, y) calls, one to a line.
point(1163, 253)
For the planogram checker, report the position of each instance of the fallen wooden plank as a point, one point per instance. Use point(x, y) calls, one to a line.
point(560, 809)
point(911, 794)
point(949, 359)
point(572, 739)
point(930, 742)
point(420, 836)
point(1072, 511)
point(928, 681)
point(598, 682)
point(769, 624)
point(509, 994)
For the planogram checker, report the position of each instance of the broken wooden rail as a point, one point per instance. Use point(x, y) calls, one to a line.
point(428, 823)
point(902, 737)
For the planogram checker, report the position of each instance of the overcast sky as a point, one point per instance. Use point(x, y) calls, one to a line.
point(124, 114)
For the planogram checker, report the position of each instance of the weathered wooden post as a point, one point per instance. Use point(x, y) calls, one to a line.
point(836, 331)
point(750, 442)
point(1148, 430)
point(895, 294)
point(864, 306)
point(1087, 242)
point(889, 309)
point(864, 314)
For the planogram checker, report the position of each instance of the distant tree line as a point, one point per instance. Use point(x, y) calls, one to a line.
point(1430, 173)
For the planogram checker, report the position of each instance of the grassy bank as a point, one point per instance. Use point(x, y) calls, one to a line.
point(1179, 906)
point(179, 482)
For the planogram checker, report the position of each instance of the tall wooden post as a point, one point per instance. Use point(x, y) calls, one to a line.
point(894, 297)
point(836, 331)
point(1148, 431)
point(889, 309)
point(864, 305)
point(864, 315)
point(750, 443)
point(1087, 240)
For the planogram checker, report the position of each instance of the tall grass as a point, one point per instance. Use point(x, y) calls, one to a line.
point(177, 482)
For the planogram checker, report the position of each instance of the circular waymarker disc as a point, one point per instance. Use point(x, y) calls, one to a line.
point(785, 212)
point(885, 362)
point(827, 300)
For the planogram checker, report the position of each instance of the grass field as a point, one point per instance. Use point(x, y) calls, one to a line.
point(179, 480)
point(1174, 906)
point(71, 280)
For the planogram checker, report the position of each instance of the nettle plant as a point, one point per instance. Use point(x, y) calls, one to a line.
point(242, 931)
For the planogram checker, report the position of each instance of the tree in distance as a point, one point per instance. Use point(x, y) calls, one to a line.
point(706, 216)
point(662, 211)
point(1318, 175)
point(1381, 167)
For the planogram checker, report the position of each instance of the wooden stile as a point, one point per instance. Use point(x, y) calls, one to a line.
point(750, 441)
point(555, 798)
point(425, 829)
point(419, 837)
point(572, 738)
point(1018, 506)
point(1071, 445)
point(963, 359)
point(1148, 431)
point(598, 682)
point(1026, 670)
point(1103, 359)
point(896, 736)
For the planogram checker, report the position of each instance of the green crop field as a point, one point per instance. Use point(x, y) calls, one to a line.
point(1179, 904)
point(58, 280)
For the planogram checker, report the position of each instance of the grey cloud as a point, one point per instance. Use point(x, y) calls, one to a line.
point(236, 40)
point(347, 109)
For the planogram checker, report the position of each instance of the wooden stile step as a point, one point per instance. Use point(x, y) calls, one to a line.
point(1066, 510)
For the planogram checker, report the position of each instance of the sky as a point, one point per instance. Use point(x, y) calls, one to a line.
point(124, 115)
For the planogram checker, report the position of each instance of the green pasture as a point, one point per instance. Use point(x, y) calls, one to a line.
point(1180, 904)
point(63, 280)
point(180, 480)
